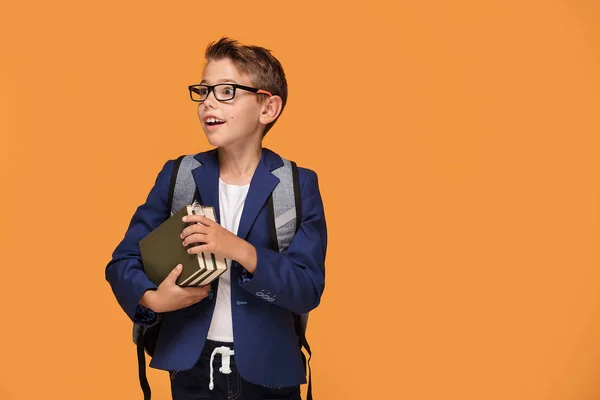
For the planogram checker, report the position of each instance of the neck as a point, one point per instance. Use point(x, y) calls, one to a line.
point(239, 163)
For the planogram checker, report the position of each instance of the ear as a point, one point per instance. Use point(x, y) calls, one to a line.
point(271, 109)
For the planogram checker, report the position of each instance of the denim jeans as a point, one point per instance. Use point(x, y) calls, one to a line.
point(193, 384)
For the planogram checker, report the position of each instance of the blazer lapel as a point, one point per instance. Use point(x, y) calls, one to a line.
point(207, 180)
point(261, 186)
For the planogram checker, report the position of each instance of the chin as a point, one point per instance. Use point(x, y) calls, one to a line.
point(217, 140)
point(224, 139)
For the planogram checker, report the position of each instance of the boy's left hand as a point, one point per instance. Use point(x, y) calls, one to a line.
point(215, 238)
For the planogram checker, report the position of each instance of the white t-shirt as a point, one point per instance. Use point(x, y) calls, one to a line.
point(231, 205)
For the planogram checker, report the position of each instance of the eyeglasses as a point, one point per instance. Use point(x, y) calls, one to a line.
point(222, 91)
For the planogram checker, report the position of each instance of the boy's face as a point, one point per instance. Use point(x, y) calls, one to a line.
point(240, 116)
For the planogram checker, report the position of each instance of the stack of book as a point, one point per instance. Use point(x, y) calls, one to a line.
point(162, 250)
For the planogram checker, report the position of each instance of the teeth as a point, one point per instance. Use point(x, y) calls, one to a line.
point(213, 120)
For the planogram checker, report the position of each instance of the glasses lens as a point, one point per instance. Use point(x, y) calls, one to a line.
point(198, 92)
point(224, 92)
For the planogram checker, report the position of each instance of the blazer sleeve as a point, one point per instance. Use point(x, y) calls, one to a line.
point(296, 280)
point(124, 272)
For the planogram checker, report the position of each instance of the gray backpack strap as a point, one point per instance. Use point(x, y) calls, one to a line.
point(184, 189)
point(286, 210)
point(181, 192)
point(284, 204)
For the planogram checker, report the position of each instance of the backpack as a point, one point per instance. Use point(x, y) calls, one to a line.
point(284, 214)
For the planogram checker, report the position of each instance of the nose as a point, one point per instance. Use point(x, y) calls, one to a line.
point(211, 100)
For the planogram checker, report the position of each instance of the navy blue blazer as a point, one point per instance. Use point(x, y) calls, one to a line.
point(266, 345)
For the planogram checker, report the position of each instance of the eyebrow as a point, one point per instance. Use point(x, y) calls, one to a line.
point(227, 80)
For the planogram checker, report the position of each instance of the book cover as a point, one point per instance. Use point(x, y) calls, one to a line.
point(162, 250)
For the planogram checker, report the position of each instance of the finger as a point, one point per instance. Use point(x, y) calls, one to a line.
point(203, 248)
point(198, 218)
point(172, 277)
point(197, 289)
point(206, 288)
point(193, 228)
point(197, 293)
point(195, 238)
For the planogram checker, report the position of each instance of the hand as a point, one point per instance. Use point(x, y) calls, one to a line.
point(213, 238)
point(218, 240)
point(171, 297)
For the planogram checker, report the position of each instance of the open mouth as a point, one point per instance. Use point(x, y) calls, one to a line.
point(214, 121)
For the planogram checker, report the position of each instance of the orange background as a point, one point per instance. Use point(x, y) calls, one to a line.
point(457, 150)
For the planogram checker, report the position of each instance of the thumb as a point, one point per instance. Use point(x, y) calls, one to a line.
point(172, 277)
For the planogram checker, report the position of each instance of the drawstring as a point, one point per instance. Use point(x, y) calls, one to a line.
point(225, 352)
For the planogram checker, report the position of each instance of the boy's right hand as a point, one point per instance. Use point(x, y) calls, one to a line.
point(171, 297)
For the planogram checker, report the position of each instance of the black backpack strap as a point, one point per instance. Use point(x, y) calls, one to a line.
point(141, 356)
point(299, 325)
point(141, 333)
point(272, 228)
point(296, 193)
point(304, 343)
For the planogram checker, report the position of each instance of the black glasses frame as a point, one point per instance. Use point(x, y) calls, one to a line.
point(211, 88)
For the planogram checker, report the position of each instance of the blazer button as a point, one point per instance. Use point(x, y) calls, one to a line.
point(210, 294)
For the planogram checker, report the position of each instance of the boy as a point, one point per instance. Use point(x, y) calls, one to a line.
point(246, 316)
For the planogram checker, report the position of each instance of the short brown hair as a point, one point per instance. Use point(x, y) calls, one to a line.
point(265, 70)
